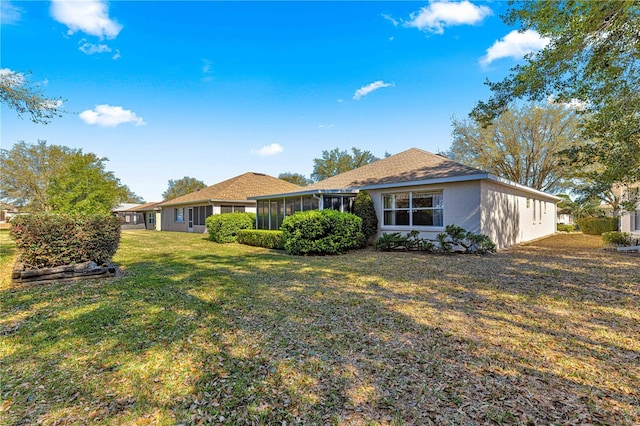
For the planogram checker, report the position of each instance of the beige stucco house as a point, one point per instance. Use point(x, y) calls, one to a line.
point(189, 212)
point(418, 190)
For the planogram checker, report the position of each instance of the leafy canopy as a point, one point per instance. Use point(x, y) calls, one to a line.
point(592, 61)
point(40, 177)
point(27, 99)
point(295, 178)
point(522, 144)
point(180, 187)
point(335, 162)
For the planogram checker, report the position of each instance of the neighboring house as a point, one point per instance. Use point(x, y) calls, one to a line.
point(418, 190)
point(150, 215)
point(129, 218)
point(189, 212)
point(7, 211)
point(630, 220)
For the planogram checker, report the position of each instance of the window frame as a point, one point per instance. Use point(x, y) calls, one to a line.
point(411, 209)
point(178, 217)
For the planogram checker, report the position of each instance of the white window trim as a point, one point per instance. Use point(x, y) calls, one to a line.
point(410, 209)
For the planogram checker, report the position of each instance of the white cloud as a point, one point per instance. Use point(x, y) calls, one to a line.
point(325, 126)
point(11, 78)
point(274, 148)
point(391, 19)
point(440, 14)
point(365, 90)
point(116, 55)
point(110, 116)
point(514, 45)
point(10, 14)
point(574, 104)
point(91, 49)
point(89, 16)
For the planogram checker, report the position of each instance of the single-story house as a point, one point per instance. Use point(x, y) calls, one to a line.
point(149, 215)
point(7, 211)
point(189, 212)
point(128, 217)
point(418, 190)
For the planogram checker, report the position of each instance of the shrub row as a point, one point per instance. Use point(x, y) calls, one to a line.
point(322, 232)
point(454, 238)
point(50, 240)
point(224, 228)
point(261, 238)
point(597, 225)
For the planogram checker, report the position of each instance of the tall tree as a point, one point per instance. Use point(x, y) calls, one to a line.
point(85, 187)
point(592, 60)
point(25, 98)
point(335, 162)
point(131, 197)
point(40, 177)
point(26, 171)
point(295, 178)
point(179, 187)
point(522, 144)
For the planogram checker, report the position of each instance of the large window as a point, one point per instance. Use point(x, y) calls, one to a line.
point(232, 209)
point(413, 209)
point(636, 221)
point(338, 202)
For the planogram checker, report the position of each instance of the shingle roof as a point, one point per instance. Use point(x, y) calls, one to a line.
point(146, 206)
point(238, 188)
point(408, 166)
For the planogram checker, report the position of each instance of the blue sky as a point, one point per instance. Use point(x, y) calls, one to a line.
point(214, 89)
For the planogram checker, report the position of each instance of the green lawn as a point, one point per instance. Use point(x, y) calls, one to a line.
point(197, 332)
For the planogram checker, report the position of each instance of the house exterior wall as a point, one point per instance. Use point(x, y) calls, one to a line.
point(512, 216)
point(630, 222)
point(461, 207)
point(168, 222)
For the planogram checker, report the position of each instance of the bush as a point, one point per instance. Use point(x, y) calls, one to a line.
point(261, 238)
point(363, 208)
point(458, 236)
point(50, 240)
point(597, 225)
point(618, 239)
point(322, 232)
point(565, 228)
point(411, 241)
point(224, 228)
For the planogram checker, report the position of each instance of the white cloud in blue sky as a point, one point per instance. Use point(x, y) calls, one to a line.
point(110, 116)
point(514, 45)
point(440, 14)
point(89, 16)
point(91, 49)
point(365, 90)
point(272, 149)
point(10, 14)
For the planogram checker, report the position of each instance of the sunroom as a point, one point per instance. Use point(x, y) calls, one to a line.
point(272, 209)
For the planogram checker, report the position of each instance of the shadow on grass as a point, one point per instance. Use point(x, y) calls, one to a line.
point(244, 335)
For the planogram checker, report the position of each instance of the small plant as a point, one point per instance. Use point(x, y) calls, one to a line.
point(565, 227)
point(471, 243)
point(617, 239)
point(261, 238)
point(224, 228)
point(388, 242)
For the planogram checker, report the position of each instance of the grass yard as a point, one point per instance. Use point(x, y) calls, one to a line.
point(197, 332)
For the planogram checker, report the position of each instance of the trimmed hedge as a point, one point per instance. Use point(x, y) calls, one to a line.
point(597, 225)
point(261, 238)
point(322, 232)
point(224, 228)
point(50, 240)
point(364, 209)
